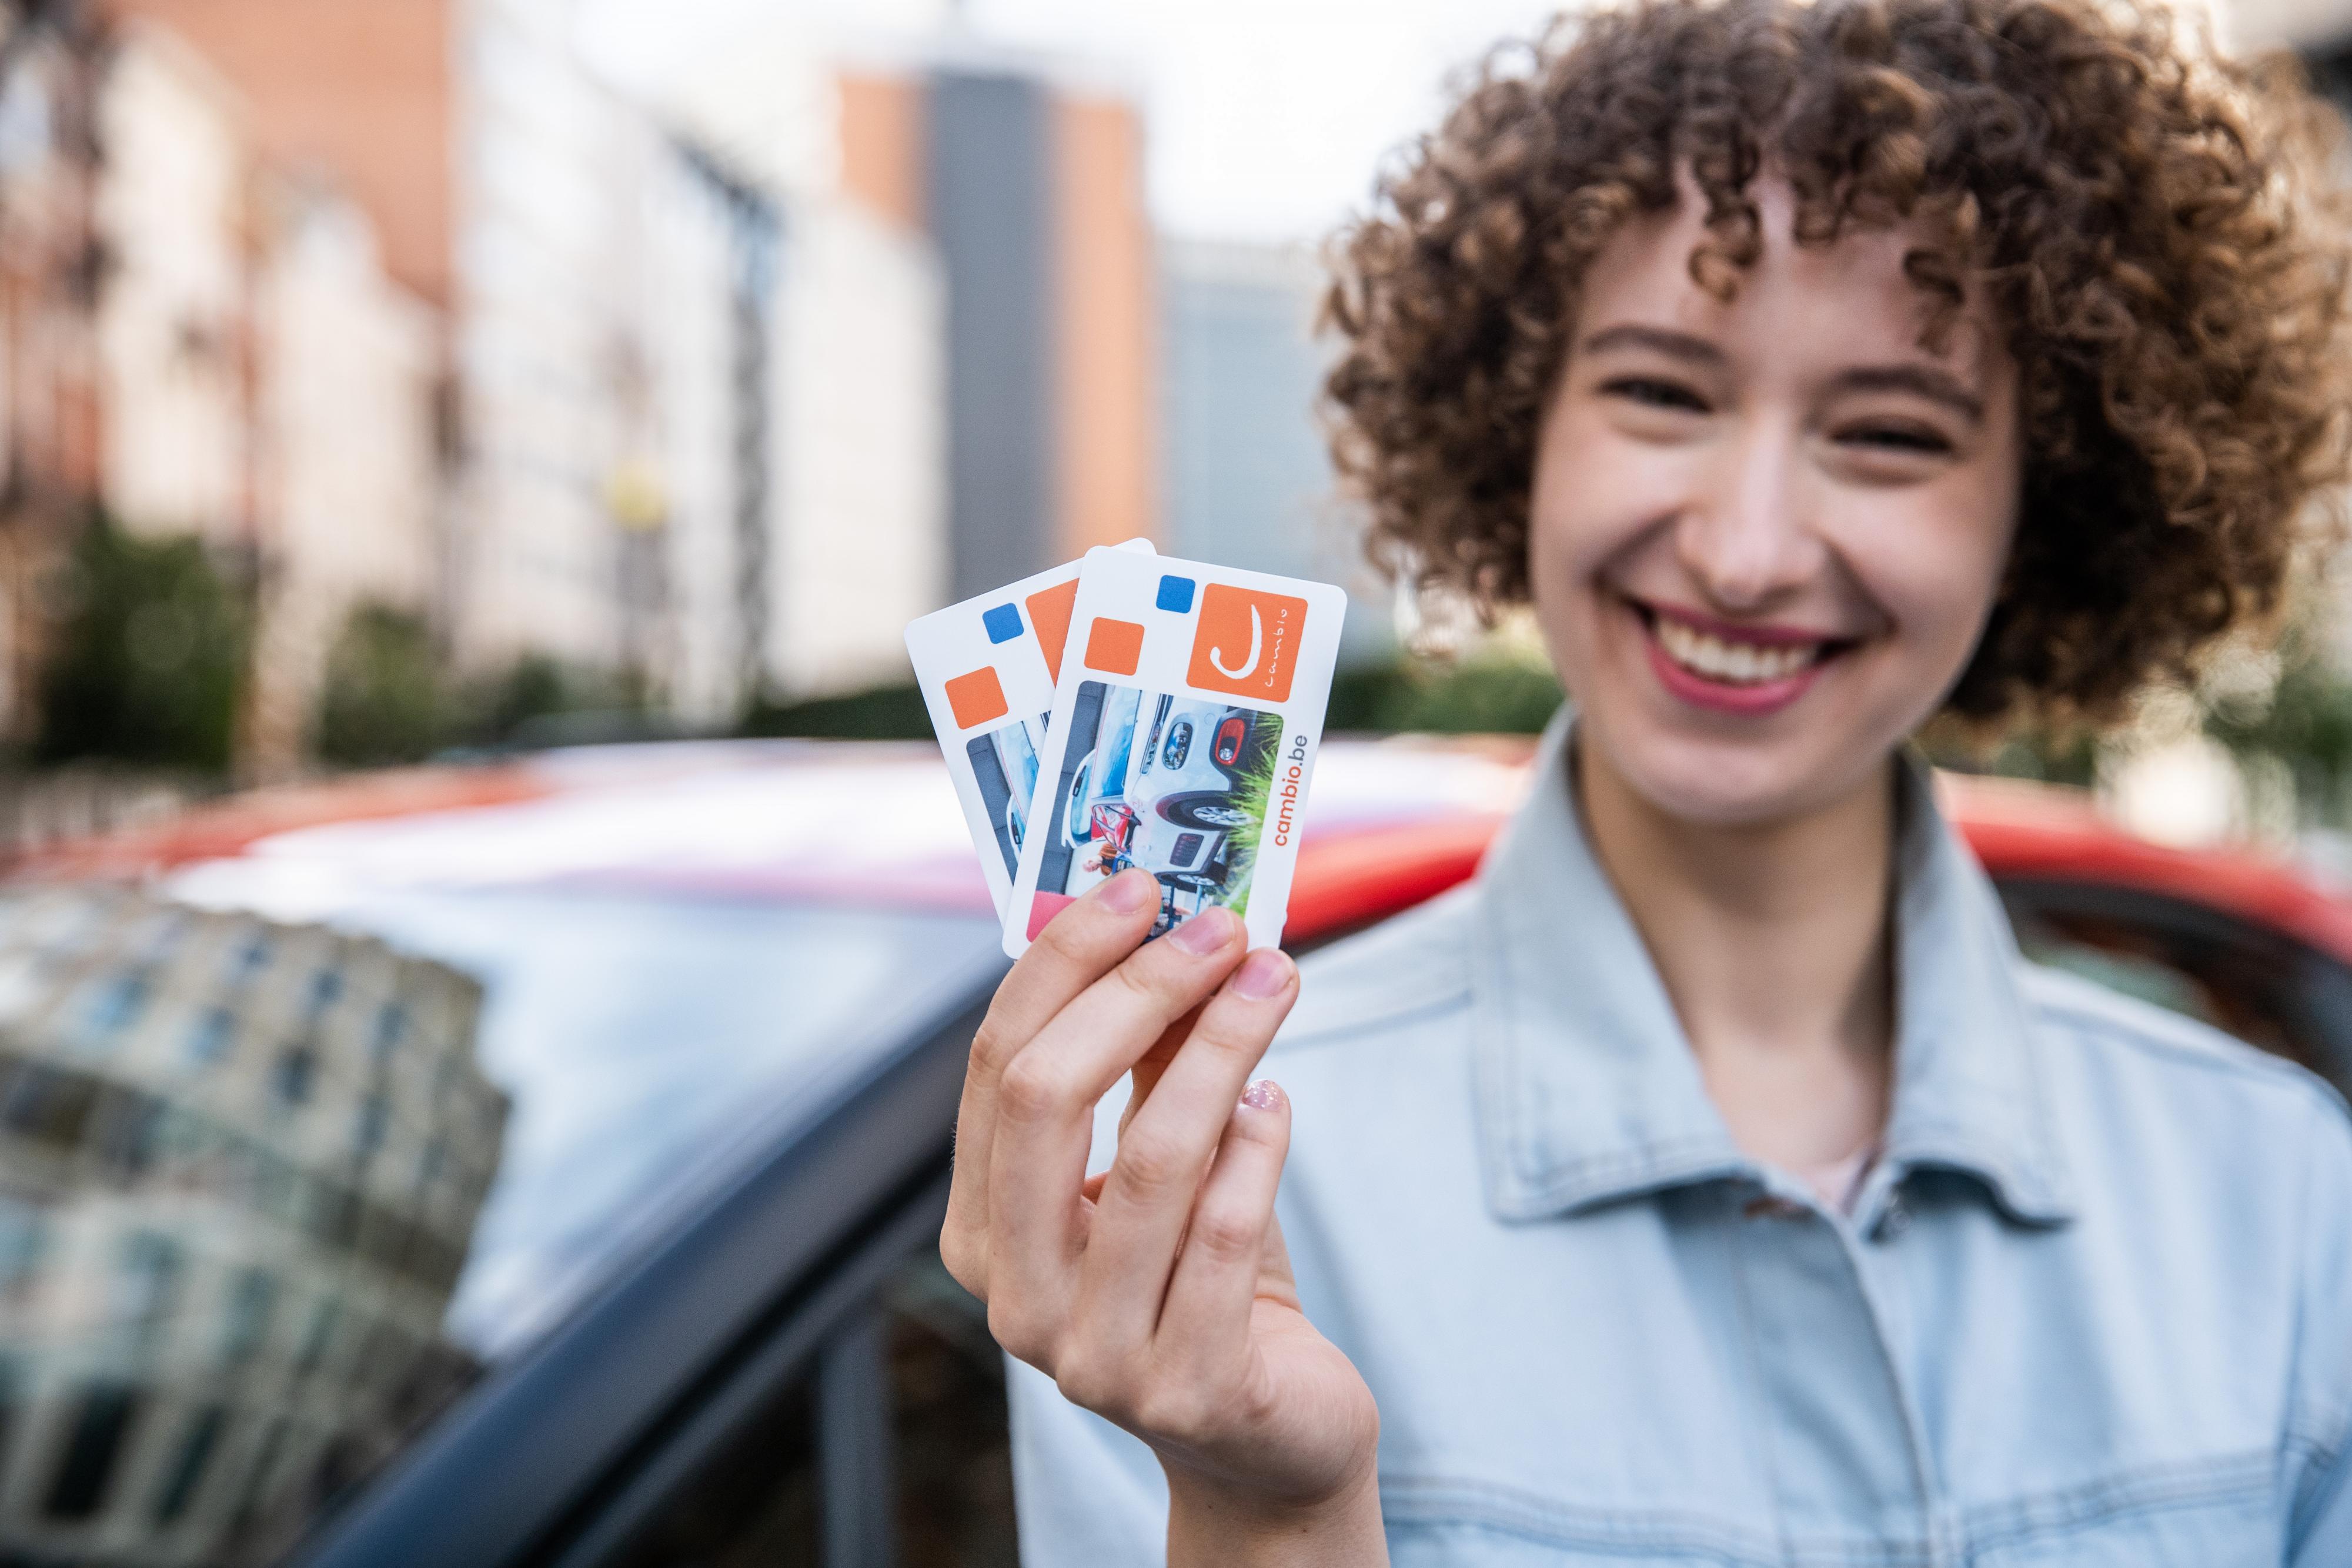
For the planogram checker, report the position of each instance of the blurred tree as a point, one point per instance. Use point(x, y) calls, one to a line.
point(539, 700)
point(386, 699)
point(149, 664)
point(1497, 693)
point(2303, 721)
point(879, 713)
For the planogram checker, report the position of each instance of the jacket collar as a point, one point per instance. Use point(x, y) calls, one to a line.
point(1587, 1091)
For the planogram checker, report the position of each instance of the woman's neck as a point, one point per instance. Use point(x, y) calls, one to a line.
point(1772, 941)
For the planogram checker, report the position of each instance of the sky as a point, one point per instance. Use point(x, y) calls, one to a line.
point(1266, 119)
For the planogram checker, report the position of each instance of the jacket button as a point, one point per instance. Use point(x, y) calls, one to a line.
point(1895, 1221)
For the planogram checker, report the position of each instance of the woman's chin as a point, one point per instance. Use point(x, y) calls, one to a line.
point(1718, 782)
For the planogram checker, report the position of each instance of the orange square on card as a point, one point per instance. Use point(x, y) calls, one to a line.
point(1114, 647)
point(1049, 611)
point(976, 698)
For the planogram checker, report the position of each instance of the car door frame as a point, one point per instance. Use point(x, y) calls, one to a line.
point(558, 1458)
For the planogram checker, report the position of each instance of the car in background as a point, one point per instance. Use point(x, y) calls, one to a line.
point(722, 1021)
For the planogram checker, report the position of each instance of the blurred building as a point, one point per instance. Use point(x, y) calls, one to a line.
point(1028, 180)
point(263, 384)
point(239, 1169)
point(693, 410)
point(202, 341)
point(1247, 475)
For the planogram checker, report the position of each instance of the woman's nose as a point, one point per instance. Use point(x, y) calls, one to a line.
point(1746, 535)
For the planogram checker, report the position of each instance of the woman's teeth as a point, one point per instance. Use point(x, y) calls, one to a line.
point(1735, 663)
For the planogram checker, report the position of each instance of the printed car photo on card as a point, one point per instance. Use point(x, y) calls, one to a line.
point(987, 668)
point(1183, 740)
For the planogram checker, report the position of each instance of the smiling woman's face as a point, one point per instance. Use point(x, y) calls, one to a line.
point(1766, 534)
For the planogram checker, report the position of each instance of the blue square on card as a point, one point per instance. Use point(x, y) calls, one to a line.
point(1004, 623)
point(1176, 593)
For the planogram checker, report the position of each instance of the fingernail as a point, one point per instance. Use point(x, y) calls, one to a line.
point(1264, 1095)
point(1263, 974)
point(1128, 891)
point(1205, 932)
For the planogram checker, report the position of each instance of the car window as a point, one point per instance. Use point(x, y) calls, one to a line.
point(933, 1487)
point(272, 1194)
point(2254, 983)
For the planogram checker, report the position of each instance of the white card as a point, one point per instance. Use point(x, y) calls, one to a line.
point(1183, 740)
point(986, 667)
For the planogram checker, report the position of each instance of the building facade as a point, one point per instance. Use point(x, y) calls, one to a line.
point(1247, 474)
point(239, 1169)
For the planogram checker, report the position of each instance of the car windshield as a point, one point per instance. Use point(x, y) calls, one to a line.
point(641, 1041)
point(271, 1195)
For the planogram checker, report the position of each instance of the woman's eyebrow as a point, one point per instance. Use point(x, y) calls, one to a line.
point(1657, 340)
point(1921, 381)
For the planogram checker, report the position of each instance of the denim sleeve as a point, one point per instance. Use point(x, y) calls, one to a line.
point(1085, 1494)
point(2319, 1441)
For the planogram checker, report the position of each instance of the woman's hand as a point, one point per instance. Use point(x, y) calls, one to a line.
point(1159, 1293)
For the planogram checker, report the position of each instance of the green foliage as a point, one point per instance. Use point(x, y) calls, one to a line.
point(2053, 757)
point(2305, 723)
point(385, 700)
point(1487, 695)
point(879, 713)
point(149, 664)
point(1493, 696)
point(390, 698)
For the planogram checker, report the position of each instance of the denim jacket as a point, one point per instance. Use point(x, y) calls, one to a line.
point(2093, 1305)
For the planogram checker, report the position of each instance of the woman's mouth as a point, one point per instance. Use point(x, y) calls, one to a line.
point(1730, 669)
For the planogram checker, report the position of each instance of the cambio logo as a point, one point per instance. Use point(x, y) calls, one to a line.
point(1257, 640)
point(1247, 642)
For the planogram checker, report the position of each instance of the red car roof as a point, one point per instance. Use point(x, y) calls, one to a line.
point(1393, 823)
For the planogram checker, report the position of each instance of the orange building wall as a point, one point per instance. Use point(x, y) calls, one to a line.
point(882, 146)
point(360, 85)
point(1106, 461)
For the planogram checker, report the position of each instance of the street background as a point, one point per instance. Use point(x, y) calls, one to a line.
point(470, 382)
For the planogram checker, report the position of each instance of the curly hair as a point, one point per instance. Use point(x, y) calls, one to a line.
point(2152, 225)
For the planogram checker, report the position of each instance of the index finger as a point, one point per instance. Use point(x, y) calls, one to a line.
point(1084, 942)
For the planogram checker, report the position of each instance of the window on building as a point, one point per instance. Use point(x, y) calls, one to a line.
point(247, 958)
point(145, 1286)
point(87, 1466)
point(48, 1104)
point(208, 1039)
point(252, 1302)
point(367, 1134)
point(297, 1066)
point(326, 990)
point(111, 1005)
point(23, 1236)
point(198, 1439)
point(257, 1479)
point(391, 1028)
point(319, 1337)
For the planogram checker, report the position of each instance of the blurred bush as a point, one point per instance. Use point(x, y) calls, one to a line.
point(385, 700)
point(2302, 722)
point(149, 658)
point(1485, 694)
point(1494, 693)
point(390, 698)
point(880, 712)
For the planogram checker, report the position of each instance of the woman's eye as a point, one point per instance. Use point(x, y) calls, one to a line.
point(1897, 438)
point(1654, 393)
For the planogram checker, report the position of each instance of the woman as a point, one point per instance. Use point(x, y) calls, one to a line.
point(1710, 1182)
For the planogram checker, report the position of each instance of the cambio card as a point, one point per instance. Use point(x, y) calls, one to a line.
point(1183, 738)
point(987, 667)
